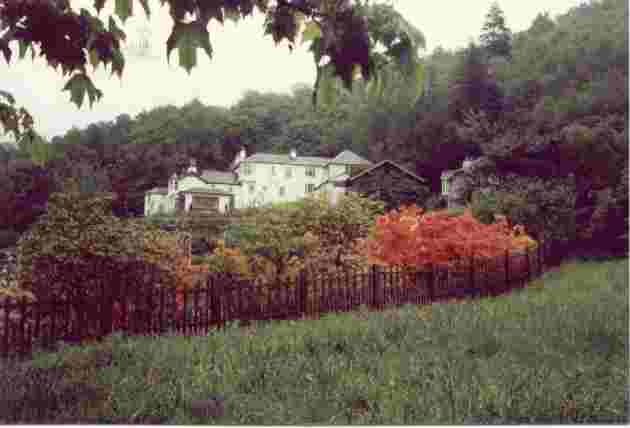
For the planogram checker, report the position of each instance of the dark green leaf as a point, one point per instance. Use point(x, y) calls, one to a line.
point(311, 31)
point(145, 6)
point(187, 37)
point(78, 85)
point(24, 45)
point(118, 62)
point(124, 9)
point(187, 50)
point(93, 56)
point(4, 47)
point(115, 29)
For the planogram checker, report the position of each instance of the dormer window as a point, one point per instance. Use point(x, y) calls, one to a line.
point(293, 154)
point(445, 186)
point(172, 185)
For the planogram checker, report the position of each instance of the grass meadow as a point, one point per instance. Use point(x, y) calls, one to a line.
point(554, 352)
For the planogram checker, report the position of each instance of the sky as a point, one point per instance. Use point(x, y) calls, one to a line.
point(244, 59)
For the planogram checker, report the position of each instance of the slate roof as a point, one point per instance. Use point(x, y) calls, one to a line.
point(348, 157)
point(285, 159)
point(218, 177)
point(205, 190)
point(380, 164)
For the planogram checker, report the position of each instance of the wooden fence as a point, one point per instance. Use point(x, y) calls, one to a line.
point(223, 297)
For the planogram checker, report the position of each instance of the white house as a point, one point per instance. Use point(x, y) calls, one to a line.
point(253, 181)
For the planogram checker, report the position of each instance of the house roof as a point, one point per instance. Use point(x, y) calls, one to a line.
point(388, 162)
point(218, 177)
point(206, 191)
point(348, 157)
point(285, 159)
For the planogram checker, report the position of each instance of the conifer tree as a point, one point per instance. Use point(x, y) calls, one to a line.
point(496, 37)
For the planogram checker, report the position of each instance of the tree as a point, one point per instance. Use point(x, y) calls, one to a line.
point(337, 29)
point(473, 87)
point(496, 38)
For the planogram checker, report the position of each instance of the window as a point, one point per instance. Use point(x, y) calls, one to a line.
point(281, 192)
point(251, 187)
point(273, 171)
point(310, 171)
point(248, 169)
point(348, 169)
point(288, 173)
point(444, 186)
point(310, 187)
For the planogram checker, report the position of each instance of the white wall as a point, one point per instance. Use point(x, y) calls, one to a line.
point(267, 186)
point(154, 202)
point(187, 201)
point(336, 170)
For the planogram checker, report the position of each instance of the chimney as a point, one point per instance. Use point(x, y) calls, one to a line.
point(192, 168)
point(240, 157)
point(293, 154)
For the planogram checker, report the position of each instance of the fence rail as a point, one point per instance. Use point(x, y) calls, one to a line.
point(224, 297)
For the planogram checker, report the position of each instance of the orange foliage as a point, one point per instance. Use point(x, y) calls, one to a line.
point(410, 238)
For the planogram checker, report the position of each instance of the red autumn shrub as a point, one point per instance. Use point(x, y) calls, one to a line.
point(413, 239)
point(410, 238)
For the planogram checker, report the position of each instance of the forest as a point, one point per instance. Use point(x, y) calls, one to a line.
point(546, 103)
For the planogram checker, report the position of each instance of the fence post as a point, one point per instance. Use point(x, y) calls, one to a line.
point(374, 271)
point(472, 271)
point(216, 297)
point(431, 283)
point(303, 292)
point(529, 270)
point(507, 269)
point(106, 310)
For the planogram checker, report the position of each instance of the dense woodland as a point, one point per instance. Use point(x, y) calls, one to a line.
point(543, 103)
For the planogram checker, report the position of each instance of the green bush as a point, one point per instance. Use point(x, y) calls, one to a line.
point(237, 234)
point(544, 207)
point(78, 242)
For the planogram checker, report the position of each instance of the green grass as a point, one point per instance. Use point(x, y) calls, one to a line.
point(555, 352)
